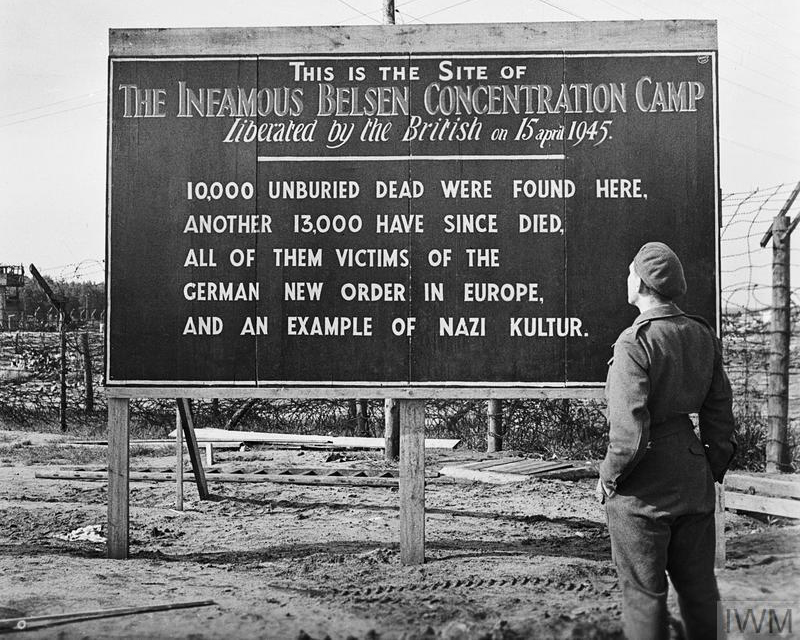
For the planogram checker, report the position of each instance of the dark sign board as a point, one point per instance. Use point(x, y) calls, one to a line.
point(399, 219)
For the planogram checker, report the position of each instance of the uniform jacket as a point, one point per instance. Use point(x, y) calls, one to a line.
point(666, 366)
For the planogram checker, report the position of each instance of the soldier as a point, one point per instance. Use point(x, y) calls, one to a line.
point(657, 478)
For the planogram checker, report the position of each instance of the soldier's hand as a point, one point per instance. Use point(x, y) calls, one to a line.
point(600, 492)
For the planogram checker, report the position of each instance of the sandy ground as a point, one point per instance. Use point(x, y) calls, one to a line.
point(529, 560)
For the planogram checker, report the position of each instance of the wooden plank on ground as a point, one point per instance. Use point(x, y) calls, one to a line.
point(138, 476)
point(157, 441)
point(481, 475)
point(761, 504)
point(118, 477)
point(510, 465)
point(542, 466)
point(483, 464)
point(208, 434)
point(380, 443)
point(526, 467)
point(780, 486)
point(412, 482)
point(514, 466)
point(290, 439)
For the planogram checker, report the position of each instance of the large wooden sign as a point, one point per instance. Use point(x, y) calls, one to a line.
point(445, 208)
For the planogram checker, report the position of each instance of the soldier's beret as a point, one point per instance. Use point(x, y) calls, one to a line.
point(660, 269)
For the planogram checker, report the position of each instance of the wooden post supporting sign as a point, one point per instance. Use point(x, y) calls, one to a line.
point(412, 481)
point(118, 477)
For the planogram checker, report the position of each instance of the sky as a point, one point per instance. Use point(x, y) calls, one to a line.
point(53, 74)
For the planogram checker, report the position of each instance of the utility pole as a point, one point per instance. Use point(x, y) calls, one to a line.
point(391, 410)
point(780, 331)
point(388, 11)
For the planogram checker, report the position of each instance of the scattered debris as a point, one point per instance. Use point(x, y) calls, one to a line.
point(89, 533)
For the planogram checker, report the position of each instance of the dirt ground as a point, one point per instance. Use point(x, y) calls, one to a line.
point(528, 560)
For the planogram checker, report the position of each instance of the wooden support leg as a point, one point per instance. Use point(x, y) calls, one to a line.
point(187, 421)
point(178, 461)
point(118, 476)
point(719, 525)
point(412, 481)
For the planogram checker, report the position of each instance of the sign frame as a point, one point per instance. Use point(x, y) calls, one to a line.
point(617, 37)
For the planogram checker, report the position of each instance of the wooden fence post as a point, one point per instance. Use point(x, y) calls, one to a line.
point(778, 380)
point(87, 372)
point(412, 482)
point(719, 526)
point(780, 330)
point(361, 418)
point(391, 424)
point(494, 439)
point(62, 406)
point(118, 477)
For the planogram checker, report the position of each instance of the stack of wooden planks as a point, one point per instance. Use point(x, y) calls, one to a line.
point(502, 470)
point(770, 494)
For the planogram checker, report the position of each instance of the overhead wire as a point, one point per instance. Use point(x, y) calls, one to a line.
point(359, 11)
point(456, 4)
point(618, 8)
point(756, 35)
point(555, 6)
point(55, 113)
point(52, 104)
point(721, 76)
point(764, 18)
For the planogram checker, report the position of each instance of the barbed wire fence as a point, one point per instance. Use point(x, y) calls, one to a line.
point(567, 428)
point(747, 311)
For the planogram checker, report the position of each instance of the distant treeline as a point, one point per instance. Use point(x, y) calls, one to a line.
point(77, 297)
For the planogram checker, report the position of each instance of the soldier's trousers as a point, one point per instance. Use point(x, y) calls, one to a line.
point(662, 521)
point(644, 551)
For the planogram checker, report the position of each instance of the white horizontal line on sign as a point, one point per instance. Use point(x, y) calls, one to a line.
point(553, 156)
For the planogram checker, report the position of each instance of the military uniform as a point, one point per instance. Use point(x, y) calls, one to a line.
point(666, 366)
